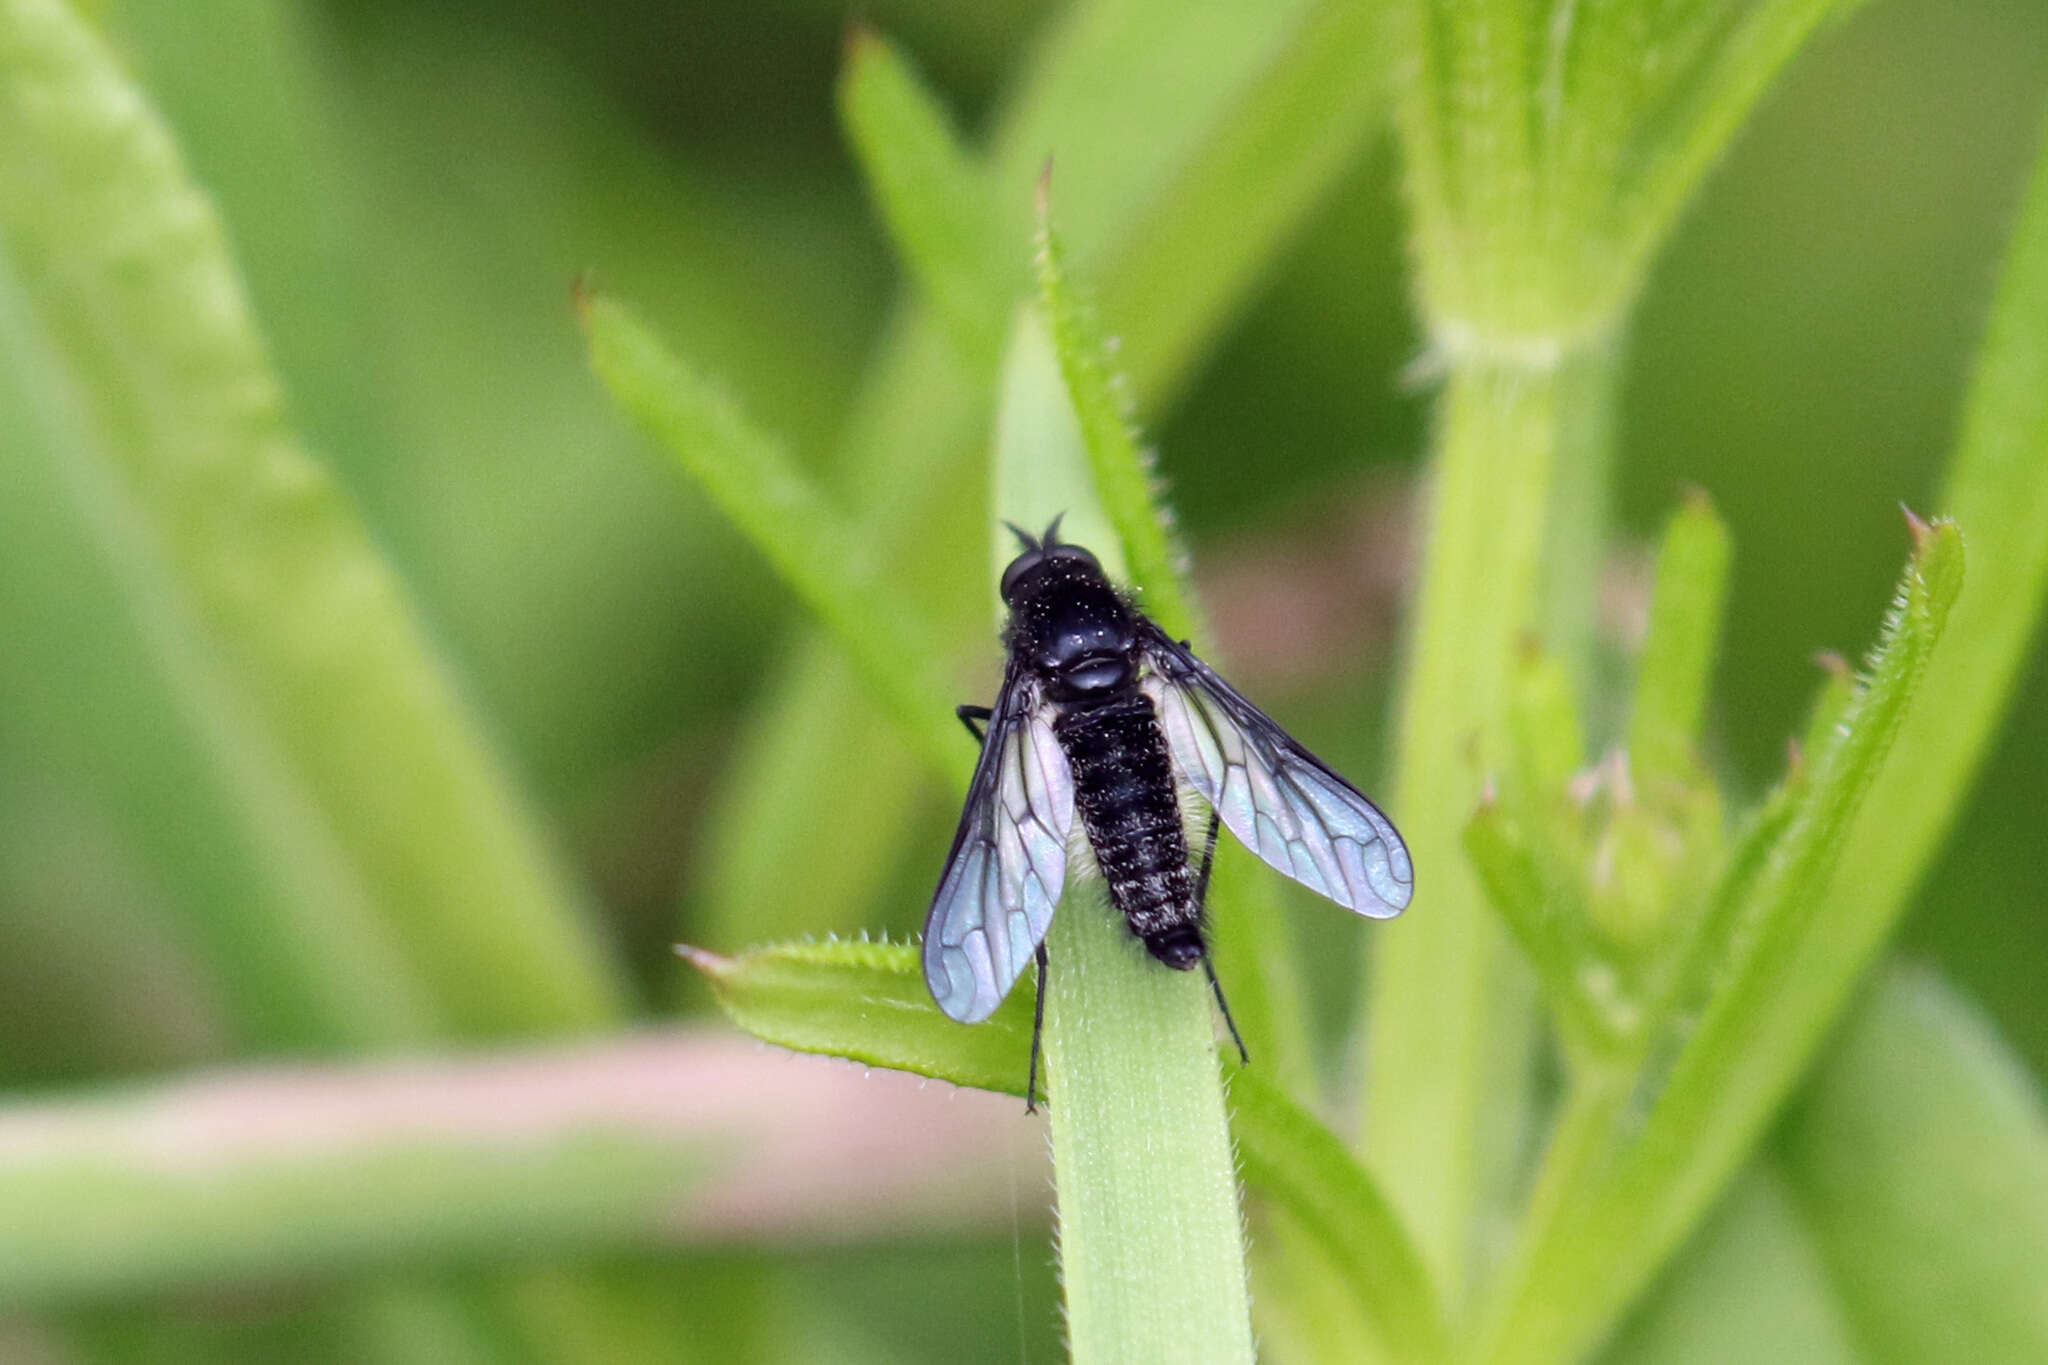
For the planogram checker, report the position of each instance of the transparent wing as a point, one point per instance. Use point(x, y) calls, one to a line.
point(1283, 802)
point(1009, 860)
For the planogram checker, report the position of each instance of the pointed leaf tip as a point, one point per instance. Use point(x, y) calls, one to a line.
point(582, 293)
point(1833, 664)
point(858, 43)
point(1920, 529)
point(704, 960)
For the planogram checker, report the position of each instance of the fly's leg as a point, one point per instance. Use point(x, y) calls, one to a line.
point(1037, 1028)
point(1208, 967)
point(1222, 1004)
point(1208, 858)
point(970, 713)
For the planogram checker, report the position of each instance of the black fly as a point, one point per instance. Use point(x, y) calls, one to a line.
point(1102, 713)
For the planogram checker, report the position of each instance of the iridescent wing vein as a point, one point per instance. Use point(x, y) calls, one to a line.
point(1009, 859)
point(1280, 800)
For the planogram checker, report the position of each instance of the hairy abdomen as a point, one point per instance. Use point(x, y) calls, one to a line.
point(1124, 788)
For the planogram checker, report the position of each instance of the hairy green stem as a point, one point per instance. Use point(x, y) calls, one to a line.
point(1151, 1243)
point(1448, 1017)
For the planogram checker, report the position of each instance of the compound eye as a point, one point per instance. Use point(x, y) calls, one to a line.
point(1020, 566)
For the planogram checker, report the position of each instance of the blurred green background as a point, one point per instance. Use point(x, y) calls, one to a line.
point(411, 189)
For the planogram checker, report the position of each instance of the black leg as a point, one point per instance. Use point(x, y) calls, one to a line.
point(970, 713)
point(1202, 899)
point(1221, 1004)
point(1208, 857)
point(1037, 1028)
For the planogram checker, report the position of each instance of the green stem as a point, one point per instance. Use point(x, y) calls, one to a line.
point(1151, 1242)
point(1448, 1017)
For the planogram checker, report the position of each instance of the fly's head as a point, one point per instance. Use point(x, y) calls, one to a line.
point(1047, 564)
point(1067, 620)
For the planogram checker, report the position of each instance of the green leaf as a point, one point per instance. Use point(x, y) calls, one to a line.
point(868, 1001)
point(1678, 653)
point(303, 624)
point(1599, 1245)
point(935, 197)
point(107, 679)
point(834, 570)
point(1919, 1154)
point(1750, 1286)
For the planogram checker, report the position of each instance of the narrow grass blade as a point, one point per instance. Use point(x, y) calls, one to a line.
point(815, 550)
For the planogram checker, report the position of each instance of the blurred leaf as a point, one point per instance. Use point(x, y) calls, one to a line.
point(1750, 1286)
point(1919, 1155)
point(834, 570)
point(504, 1164)
point(933, 194)
point(108, 680)
point(123, 263)
point(1291, 1158)
point(573, 585)
point(1600, 1245)
point(1201, 249)
point(261, 134)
